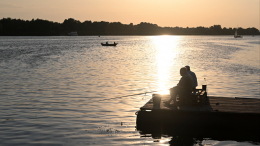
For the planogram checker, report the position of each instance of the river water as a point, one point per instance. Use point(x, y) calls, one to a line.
point(67, 91)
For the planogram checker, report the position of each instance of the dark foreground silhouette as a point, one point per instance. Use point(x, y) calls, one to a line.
point(195, 135)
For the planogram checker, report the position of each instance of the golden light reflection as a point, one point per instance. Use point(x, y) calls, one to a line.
point(166, 52)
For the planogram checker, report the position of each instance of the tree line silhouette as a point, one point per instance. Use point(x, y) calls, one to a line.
point(39, 27)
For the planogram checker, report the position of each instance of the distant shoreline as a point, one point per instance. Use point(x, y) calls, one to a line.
point(130, 35)
point(39, 27)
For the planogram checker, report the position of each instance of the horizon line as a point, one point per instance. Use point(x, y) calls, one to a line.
point(121, 23)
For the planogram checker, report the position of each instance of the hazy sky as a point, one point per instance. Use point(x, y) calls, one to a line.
point(182, 13)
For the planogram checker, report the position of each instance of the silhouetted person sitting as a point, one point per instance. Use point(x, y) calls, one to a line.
point(183, 88)
point(114, 42)
point(194, 78)
point(106, 42)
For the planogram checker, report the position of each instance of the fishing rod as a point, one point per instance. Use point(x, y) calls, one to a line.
point(125, 96)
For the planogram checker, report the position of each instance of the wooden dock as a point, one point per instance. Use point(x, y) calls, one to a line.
point(211, 104)
point(219, 114)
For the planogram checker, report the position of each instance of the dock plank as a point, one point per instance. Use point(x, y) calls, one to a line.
point(215, 104)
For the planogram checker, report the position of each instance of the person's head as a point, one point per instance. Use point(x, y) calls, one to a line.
point(183, 71)
point(188, 68)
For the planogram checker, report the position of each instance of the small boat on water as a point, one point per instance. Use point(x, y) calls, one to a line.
point(73, 33)
point(107, 44)
point(237, 36)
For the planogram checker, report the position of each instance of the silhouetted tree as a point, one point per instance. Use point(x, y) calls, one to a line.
point(69, 25)
point(1, 28)
point(100, 27)
point(216, 29)
point(252, 31)
point(85, 28)
point(147, 28)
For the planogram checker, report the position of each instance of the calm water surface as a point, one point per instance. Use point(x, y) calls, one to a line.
point(72, 91)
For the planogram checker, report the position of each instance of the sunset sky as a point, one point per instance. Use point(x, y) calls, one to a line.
point(182, 13)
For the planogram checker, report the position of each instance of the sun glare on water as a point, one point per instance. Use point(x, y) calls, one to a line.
point(165, 46)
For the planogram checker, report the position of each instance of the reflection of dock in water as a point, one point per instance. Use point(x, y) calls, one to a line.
point(219, 118)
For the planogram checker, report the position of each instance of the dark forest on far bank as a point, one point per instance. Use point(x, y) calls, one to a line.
point(39, 27)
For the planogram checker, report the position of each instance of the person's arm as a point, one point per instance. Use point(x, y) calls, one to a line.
point(196, 81)
point(169, 101)
point(181, 82)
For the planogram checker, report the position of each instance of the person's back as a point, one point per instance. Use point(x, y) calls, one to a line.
point(183, 88)
point(186, 83)
point(194, 78)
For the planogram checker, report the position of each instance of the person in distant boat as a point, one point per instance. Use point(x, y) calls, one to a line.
point(114, 42)
point(106, 42)
point(183, 88)
point(194, 78)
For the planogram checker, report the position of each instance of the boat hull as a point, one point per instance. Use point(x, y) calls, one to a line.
point(238, 36)
point(109, 44)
